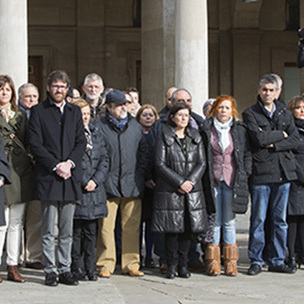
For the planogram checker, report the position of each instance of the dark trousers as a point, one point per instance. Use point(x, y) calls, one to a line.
point(177, 248)
point(84, 244)
point(295, 233)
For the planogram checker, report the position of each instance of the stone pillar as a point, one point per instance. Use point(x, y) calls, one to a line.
point(301, 12)
point(191, 50)
point(13, 40)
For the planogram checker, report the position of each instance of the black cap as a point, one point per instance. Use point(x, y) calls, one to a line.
point(116, 96)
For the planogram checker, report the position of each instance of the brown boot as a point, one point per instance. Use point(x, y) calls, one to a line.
point(213, 258)
point(231, 255)
point(14, 275)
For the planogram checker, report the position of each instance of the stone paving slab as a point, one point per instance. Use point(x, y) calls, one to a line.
point(154, 288)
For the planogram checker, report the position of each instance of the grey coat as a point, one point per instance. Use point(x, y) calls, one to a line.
point(127, 151)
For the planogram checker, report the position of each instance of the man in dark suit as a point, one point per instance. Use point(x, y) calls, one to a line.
point(57, 141)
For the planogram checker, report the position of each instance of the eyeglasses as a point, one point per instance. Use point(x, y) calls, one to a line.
point(58, 87)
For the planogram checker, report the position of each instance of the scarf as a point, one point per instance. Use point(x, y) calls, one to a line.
point(223, 132)
point(120, 124)
point(7, 113)
point(88, 136)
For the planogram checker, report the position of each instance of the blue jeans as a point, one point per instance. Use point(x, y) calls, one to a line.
point(275, 196)
point(224, 217)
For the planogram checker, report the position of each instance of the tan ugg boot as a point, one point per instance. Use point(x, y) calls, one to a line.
point(231, 255)
point(213, 257)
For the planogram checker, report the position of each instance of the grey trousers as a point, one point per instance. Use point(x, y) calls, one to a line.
point(65, 212)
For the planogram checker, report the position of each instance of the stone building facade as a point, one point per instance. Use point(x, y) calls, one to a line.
point(142, 43)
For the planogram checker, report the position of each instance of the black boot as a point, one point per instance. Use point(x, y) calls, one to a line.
point(292, 264)
point(171, 272)
point(183, 272)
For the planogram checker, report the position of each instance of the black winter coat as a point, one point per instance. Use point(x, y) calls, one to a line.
point(173, 167)
point(296, 194)
point(95, 166)
point(54, 139)
point(243, 162)
point(277, 164)
point(127, 151)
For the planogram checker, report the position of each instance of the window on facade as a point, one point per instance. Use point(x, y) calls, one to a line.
point(137, 13)
point(292, 14)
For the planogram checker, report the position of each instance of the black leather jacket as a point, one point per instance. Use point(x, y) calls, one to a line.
point(174, 164)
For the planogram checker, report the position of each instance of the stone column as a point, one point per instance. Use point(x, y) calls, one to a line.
point(13, 40)
point(301, 12)
point(191, 43)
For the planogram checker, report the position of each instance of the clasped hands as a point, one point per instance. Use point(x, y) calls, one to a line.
point(63, 169)
point(186, 187)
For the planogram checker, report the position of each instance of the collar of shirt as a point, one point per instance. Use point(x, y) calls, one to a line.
point(61, 108)
point(270, 113)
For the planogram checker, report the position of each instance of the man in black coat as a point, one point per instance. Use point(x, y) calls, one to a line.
point(57, 141)
point(273, 135)
point(125, 183)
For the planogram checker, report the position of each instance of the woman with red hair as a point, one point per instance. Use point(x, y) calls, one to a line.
point(229, 165)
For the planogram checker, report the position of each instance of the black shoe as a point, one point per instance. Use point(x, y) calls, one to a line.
point(51, 279)
point(67, 278)
point(92, 277)
point(292, 264)
point(280, 268)
point(254, 269)
point(183, 272)
point(149, 263)
point(171, 272)
point(79, 275)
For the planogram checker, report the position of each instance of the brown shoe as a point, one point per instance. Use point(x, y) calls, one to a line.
point(163, 268)
point(104, 274)
point(14, 275)
point(0, 279)
point(135, 273)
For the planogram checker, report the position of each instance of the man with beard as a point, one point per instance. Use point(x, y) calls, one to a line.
point(125, 184)
point(57, 141)
point(93, 88)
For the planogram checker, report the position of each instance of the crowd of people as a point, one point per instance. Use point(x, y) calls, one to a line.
point(86, 179)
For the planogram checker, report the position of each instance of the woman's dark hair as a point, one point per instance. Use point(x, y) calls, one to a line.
point(177, 107)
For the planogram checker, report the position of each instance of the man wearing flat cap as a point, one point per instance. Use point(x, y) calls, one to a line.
point(125, 183)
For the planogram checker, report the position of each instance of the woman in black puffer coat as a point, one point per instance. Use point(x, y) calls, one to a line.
point(95, 167)
point(179, 202)
point(295, 210)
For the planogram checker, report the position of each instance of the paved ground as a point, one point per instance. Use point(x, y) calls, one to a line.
point(154, 288)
